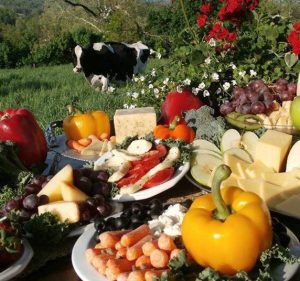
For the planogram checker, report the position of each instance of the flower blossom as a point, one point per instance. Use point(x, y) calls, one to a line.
point(253, 73)
point(226, 86)
point(215, 76)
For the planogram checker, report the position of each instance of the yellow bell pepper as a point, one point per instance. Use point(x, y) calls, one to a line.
point(228, 229)
point(81, 125)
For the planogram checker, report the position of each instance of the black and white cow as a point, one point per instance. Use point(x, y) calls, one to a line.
point(110, 60)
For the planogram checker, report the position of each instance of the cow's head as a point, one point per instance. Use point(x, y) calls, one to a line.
point(78, 51)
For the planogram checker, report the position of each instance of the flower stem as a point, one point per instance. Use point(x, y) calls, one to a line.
point(187, 21)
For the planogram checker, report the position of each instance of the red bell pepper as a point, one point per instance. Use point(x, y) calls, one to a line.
point(176, 103)
point(20, 127)
point(160, 177)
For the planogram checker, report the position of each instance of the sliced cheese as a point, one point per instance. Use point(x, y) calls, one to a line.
point(290, 207)
point(236, 164)
point(134, 122)
point(93, 148)
point(256, 169)
point(269, 192)
point(272, 149)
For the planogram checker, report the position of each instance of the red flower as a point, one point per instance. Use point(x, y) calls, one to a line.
point(201, 20)
point(294, 40)
point(222, 34)
point(216, 27)
point(232, 36)
point(205, 9)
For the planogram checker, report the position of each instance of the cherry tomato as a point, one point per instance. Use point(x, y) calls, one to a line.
point(160, 177)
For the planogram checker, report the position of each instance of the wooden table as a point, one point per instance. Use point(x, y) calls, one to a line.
point(62, 270)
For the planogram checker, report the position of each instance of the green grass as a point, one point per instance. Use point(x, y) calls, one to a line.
point(47, 90)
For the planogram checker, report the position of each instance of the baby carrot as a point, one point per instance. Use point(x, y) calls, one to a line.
point(137, 275)
point(99, 246)
point(151, 274)
point(143, 262)
point(135, 235)
point(91, 253)
point(123, 276)
point(117, 266)
point(118, 246)
point(104, 136)
point(84, 142)
point(121, 253)
point(166, 243)
point(149, 247)
point(112, 139)
point(159, 259)
point(100, 262)
point(136, 251)
point(75, 145)
point(110, 238)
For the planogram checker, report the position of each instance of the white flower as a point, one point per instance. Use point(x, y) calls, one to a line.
point(111, 89)
point(125, 105)
point(206, 93)
point(150, 86)
point(226, 86)
point(212, 42)
point(128, 94)
point(142, 78)
point(132, 106)
point(156, 95)
point(179, 89)
point(166, 81)
point(215, 76)
point(153, 72)
point(195, 91)
point(135, 95)
point(201, 86)
point(220, 70)
point(253, 73)
point(205, 75)
point(219, 91)
point(233, 82)
point(163, 87)
point(143, 91)
point(242, 73)
point(233, 66)
point(158, 56)
point(135, 79)
point(207, 60)
point(156, 91)
point(187, 81)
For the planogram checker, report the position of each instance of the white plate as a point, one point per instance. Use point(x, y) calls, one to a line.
point(18, 266)
point(149, 192)
point(87, 272)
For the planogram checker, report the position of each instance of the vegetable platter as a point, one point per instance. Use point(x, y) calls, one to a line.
point(167, 242)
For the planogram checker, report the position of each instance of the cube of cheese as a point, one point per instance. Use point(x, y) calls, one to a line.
point(272, 149)
point(236, 164)
point(256, 169)
point(134, 122)
point(231, 181)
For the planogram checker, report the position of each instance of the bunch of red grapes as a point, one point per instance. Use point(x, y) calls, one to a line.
point(259, 98)
point(93, 183)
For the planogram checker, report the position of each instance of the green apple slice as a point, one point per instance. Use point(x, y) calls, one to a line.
point(240, 153)
point(202, 171)
point(204, 144)
point(293, 160)
point(200, 152)
point(230, 139)
point(248, 142)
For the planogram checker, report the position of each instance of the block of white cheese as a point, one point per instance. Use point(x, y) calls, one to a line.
point(134, 122)
point(63, 210)
point(287, 180)
point(236, 164)
point(231, 181)
point(272, 149)
point(290, 207)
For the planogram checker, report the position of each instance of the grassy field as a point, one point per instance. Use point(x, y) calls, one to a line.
point(47, 90)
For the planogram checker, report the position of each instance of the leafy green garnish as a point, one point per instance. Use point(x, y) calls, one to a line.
point(46, 229)
point(7, 193)
point(127, 142)
point(114, 190)
point(206, 125)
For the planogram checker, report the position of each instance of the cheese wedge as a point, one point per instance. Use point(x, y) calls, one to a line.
point(290, 207)
point(231, 181)
point(236, 164)
point(93, 148)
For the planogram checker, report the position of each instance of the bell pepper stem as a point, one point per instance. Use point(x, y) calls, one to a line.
point(221, 174)
point(174, 122)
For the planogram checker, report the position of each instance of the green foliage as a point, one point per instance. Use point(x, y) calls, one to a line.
point(7, 16)
point(23, 7)
point(84, 37)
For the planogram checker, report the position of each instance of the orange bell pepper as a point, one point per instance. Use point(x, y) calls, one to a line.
point(80, 125)
point(174, 131)
point(228, 229)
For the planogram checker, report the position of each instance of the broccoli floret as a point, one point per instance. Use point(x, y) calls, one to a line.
point(206, 125)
